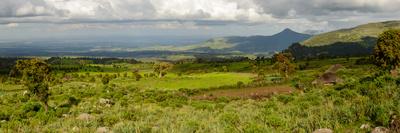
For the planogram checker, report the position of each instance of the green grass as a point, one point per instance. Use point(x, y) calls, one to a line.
point(192, 81)
point(212, 67)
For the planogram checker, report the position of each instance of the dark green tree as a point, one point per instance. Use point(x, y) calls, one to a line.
point(387, 50)
point(35, 75)
point(106, 79)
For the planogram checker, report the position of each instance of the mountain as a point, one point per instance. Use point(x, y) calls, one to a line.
point(355, 41)
point(253, 44)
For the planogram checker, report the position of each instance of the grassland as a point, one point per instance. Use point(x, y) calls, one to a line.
point(160, 105)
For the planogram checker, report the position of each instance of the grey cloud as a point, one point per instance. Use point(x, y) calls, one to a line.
point(327, 7)
point(24, 8)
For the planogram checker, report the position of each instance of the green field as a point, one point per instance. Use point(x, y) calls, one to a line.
point(192, 81)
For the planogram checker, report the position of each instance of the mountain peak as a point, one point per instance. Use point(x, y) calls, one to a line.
point(287, 30)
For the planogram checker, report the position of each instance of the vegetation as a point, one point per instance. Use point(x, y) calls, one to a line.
point(162, 68)
point(356, 34)
point(35, 75)
point(170, 104)
point(387, 51)
point(357, 41)
point(283, 63)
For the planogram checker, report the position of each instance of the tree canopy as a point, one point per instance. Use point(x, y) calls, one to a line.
point(387, 50)
point(161, 68)
point(283, 63)
point(35, 73)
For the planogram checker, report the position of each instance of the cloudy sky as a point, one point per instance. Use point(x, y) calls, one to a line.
point(38, 19)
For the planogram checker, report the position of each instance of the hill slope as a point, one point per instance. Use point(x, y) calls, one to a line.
point(355, 41)
point(355, 34)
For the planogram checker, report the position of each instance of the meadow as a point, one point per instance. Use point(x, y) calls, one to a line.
point(169, 104)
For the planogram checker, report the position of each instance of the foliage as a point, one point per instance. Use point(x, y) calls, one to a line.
point(106, 79)
point(162, 68)
point(136, 75)
point(283, 64)
point(387, 51)
point(260, 68)
point(35, 74)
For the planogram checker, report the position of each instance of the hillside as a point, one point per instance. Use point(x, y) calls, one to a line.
point(355, 34)
point(355, 41)
point(253, 44)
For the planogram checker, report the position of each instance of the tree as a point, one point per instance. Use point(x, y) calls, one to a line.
point(162, 68)
point(35, 75)
point(283, 63)
point(136, 74)
point(387, 50)
point(105, 79)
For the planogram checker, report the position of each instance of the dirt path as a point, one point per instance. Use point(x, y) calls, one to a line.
point(253, 93)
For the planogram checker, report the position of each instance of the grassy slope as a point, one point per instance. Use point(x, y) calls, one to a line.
point(351, 35)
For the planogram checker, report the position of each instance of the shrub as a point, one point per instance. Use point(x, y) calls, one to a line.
point(285, 98)
point(4, 115)
point(105, 80)
point(240, 84)
point(189, 92)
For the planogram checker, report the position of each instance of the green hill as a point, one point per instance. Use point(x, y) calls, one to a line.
point(357, 41)
point(355, 34)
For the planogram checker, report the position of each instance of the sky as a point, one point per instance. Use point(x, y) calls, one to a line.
point(67, 19)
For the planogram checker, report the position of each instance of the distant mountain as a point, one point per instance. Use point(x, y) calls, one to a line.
point(357, 41)
point(253, 44)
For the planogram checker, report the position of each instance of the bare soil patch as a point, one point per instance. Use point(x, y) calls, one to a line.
point(245, 93)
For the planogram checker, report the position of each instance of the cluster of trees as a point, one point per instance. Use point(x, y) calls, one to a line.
point(87, 60)
point(281, 63)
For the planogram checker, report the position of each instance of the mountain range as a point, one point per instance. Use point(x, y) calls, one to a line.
point(250, 44)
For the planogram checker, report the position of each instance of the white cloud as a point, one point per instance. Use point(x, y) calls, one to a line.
point(12, 25)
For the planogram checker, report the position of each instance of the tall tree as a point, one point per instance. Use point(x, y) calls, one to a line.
point(283, 63)
point(35, 75)
point(162, 68)
point(387, 50)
